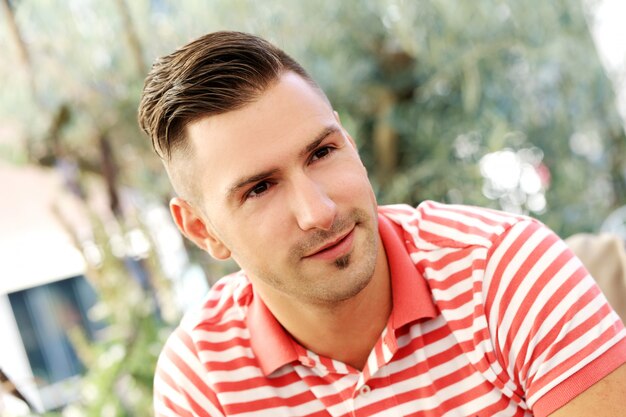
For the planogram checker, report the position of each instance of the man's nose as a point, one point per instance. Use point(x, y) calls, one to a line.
point(311, 205)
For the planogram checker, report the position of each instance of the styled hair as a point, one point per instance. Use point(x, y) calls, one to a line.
point(216, 73)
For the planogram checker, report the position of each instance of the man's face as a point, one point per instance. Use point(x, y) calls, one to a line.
point(283, 191)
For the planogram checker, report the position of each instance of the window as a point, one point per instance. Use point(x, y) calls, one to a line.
point(44, 316)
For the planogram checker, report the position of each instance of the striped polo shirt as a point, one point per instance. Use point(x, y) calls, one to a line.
point(492, 316)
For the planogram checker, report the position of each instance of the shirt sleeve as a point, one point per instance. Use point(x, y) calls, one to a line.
point(179, 387)
point(553, 331)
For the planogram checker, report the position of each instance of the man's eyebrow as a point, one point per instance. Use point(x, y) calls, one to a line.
point(243, 182)
point(319, 139)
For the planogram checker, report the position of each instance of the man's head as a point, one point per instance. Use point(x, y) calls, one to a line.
point(214, 74)
point(275, 180)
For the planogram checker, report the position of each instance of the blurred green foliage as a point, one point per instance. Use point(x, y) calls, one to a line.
point(427, 89)
point(413, 81)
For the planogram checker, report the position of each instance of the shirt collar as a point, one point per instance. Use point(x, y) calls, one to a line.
point(274, 347)
point(410, 293)
point(271, 344)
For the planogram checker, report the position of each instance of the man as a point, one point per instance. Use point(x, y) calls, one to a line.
point(344, 308)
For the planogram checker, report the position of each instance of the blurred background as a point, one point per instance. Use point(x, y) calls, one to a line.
point(515, 105)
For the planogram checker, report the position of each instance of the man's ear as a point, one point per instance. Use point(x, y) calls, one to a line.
point(195, 228)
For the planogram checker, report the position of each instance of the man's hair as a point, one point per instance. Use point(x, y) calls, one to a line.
point(216, 73)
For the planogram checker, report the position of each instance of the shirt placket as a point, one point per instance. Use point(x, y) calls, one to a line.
point(373, 390)
point(312, 369)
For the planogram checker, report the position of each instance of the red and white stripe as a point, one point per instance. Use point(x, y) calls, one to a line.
point(519, 326)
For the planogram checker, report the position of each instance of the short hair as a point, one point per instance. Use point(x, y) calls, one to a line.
point(216, 73)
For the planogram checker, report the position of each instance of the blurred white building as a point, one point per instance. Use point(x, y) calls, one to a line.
point(43, 291)
point(42, 288)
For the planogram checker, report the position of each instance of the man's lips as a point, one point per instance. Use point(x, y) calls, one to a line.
point(334, 249)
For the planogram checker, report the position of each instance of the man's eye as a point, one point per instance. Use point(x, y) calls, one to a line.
point(258, 189)
point(321, 152)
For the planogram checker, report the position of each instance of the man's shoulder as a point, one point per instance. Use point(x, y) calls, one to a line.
point(221, 316)
point(208, 337)
point(224, 302)
point(435, 225)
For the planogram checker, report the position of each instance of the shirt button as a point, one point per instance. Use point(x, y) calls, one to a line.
point(365, 389)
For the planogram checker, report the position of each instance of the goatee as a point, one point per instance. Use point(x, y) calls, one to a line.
point(342, 262)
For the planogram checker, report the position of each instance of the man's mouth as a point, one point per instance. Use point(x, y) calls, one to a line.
point(334, 249)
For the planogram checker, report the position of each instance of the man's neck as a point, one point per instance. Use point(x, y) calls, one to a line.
point(345, 331)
